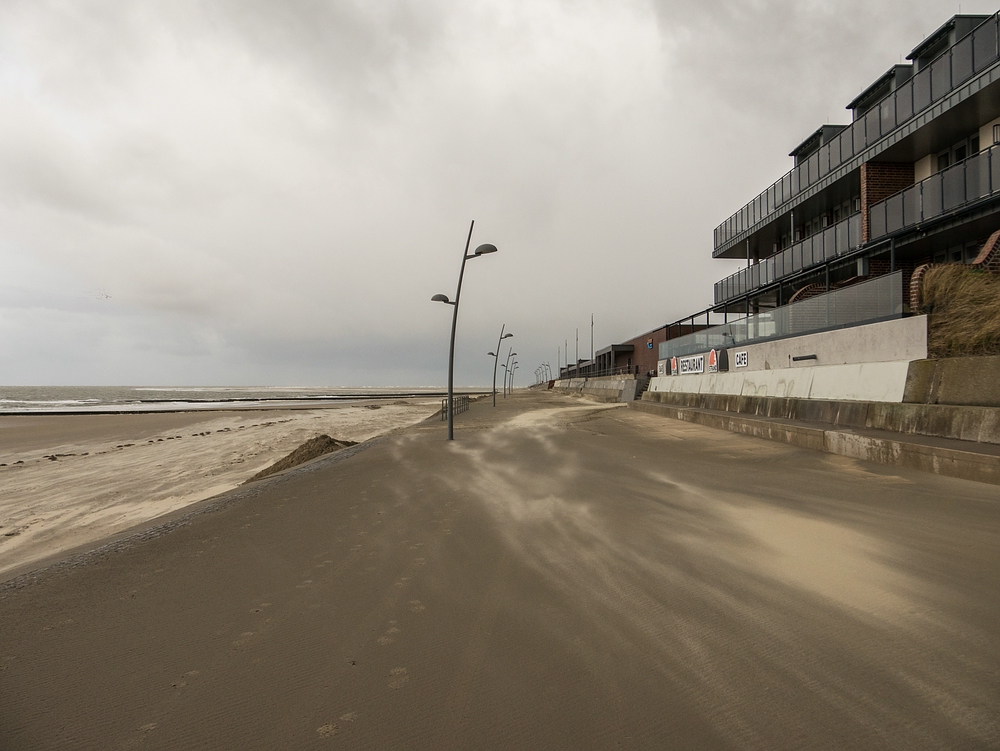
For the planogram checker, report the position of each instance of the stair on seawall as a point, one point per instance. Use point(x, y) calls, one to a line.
point(953, 457)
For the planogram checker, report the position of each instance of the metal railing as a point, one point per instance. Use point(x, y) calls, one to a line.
point(833, 241)
point(952, 68)
point(965, 182)
point(459, 404)
point(590, 372)
point(877, 299)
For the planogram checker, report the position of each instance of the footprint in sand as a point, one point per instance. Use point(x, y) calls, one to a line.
point(398, 677)
point(327, 731)
point(416, 606)
point(401, 582)
point(349, 717)
point(304, 584)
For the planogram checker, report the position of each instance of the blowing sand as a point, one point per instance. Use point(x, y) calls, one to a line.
point(71, 480)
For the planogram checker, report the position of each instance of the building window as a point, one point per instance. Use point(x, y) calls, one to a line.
point(996, 134)
point(942, 161)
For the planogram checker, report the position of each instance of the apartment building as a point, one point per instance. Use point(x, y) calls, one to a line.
point(914, 178)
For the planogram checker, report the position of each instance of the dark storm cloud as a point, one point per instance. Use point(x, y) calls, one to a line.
point(277, 189)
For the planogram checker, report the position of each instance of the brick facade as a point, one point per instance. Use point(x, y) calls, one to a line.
point(879, 180)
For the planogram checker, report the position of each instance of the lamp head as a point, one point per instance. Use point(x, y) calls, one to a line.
point(440, 298)
point(507, 336)
point(491, 354)
point(486, 248)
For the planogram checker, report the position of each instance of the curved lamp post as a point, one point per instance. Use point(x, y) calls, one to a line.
point(513, 369)
point(496, 359)
point(510, 353)
point(481, 250)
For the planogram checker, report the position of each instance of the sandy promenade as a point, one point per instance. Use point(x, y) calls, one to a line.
point(70, 480)
point(564, 575)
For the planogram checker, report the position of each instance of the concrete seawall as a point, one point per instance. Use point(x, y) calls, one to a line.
point(978, 424)
point(962, 459)
point(870, 381)
point(619, 388)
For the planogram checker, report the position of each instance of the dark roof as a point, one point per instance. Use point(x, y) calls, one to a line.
point(814, 137)
point(880, 81)
point(934, 38)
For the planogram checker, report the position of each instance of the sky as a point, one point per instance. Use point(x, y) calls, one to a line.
point(250, 192)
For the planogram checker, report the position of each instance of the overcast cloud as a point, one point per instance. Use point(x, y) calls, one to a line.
point(244, 192)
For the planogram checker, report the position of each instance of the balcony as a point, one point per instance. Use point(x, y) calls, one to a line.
point(877, 299)
point(951, 69)
point(961, 184)
point(836, 240)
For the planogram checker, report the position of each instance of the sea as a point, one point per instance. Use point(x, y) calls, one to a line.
point(117, 399)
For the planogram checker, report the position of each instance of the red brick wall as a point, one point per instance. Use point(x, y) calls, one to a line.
point(879, 180)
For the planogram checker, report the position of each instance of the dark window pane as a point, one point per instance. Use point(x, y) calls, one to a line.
point(854, 225)
point(994, 170)
point(911, 206)
point(973, 178)
point(904, 102)
point(887, 114)
point(872, 125)
point(846, 139)
point(932, 196)
point(813, 165)
point(941, 77)
point(834, 147)
point(830, 242)
point(984, 44)
point(876, 221)
point(921, 90)
point(894, 213)
point(858, 132)
point(842, 239)
point(954, 187)
point(961, 61)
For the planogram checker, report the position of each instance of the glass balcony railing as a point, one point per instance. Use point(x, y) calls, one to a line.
point(878, 299)
point(962, 183)
point(835, 240)
point(970, 55)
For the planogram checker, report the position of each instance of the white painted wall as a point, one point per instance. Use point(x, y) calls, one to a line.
point(924, 168)
point(867, 382)
point(901, 339)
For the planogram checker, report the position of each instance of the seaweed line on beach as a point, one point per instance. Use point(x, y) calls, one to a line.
point(209, 505)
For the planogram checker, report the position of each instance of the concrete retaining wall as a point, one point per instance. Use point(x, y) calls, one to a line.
point(872, 381)
point(981, 467)
point(979, 424)
point(903, 339)
point(971, 381)
point(605, 389)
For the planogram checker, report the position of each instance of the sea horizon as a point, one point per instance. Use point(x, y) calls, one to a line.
point(100, 399)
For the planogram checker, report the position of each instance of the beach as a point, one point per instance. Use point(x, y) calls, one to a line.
point(74, 479)
point(562, 575)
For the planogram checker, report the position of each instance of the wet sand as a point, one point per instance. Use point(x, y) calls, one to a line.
point(70, 480)
point(563, 575)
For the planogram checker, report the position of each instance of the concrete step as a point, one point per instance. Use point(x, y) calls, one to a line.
point(968, 460)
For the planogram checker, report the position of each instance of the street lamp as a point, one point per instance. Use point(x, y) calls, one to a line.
point(480, 251)
point(512, 370)
point(506, 367)
point(496, 359)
